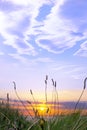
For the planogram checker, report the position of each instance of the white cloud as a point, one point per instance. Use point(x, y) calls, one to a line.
point(56, 44)
point(83, 50)
point(55, 33)
point(61, 33)
point(77, 72)
point(10, 23)
point(18, 24)
point(58, 32)
point(70, 70)
point(29, 2)
point(18, 57)
point(30, 62)
point(11, 27)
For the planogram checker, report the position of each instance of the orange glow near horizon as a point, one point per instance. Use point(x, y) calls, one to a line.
point(40, 108)
point(64, 95)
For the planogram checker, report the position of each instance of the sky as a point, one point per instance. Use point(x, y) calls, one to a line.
point(39, 38)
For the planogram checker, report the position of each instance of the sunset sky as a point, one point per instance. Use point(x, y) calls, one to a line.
point(39, 38)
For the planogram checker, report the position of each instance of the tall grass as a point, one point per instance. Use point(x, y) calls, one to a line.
point(11, 119)
point(84, 87)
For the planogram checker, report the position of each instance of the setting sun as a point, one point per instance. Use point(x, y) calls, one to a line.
point(42, 109)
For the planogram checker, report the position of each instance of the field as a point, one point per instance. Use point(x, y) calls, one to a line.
point(11, 119)
point(44, 117)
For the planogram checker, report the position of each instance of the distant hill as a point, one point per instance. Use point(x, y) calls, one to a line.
point(63, 105)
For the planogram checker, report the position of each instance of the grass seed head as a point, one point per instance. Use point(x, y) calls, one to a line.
point(85, 83)
point(31, 92)
point(45, 81)
point(52, 81)
point(14, 85)
point(46, 77)
point(55, 84)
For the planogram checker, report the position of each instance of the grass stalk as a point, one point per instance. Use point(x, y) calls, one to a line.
point(21, 100)
point(84, 87)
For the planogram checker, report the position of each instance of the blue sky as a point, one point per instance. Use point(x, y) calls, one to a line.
point(43, 37)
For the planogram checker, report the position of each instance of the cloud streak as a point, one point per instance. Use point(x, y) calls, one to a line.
point(57, 32)
point(83, 50)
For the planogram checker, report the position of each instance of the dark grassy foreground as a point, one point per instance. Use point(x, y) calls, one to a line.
point(10, 119)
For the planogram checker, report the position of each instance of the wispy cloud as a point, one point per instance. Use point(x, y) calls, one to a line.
point(14, 34)
point(71, 70)
point(58, 30)
point(18, 57)
point(30, 62)
point(83, 50)
point(15, 24)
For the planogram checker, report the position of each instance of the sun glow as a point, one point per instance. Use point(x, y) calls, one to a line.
point(42, 109)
